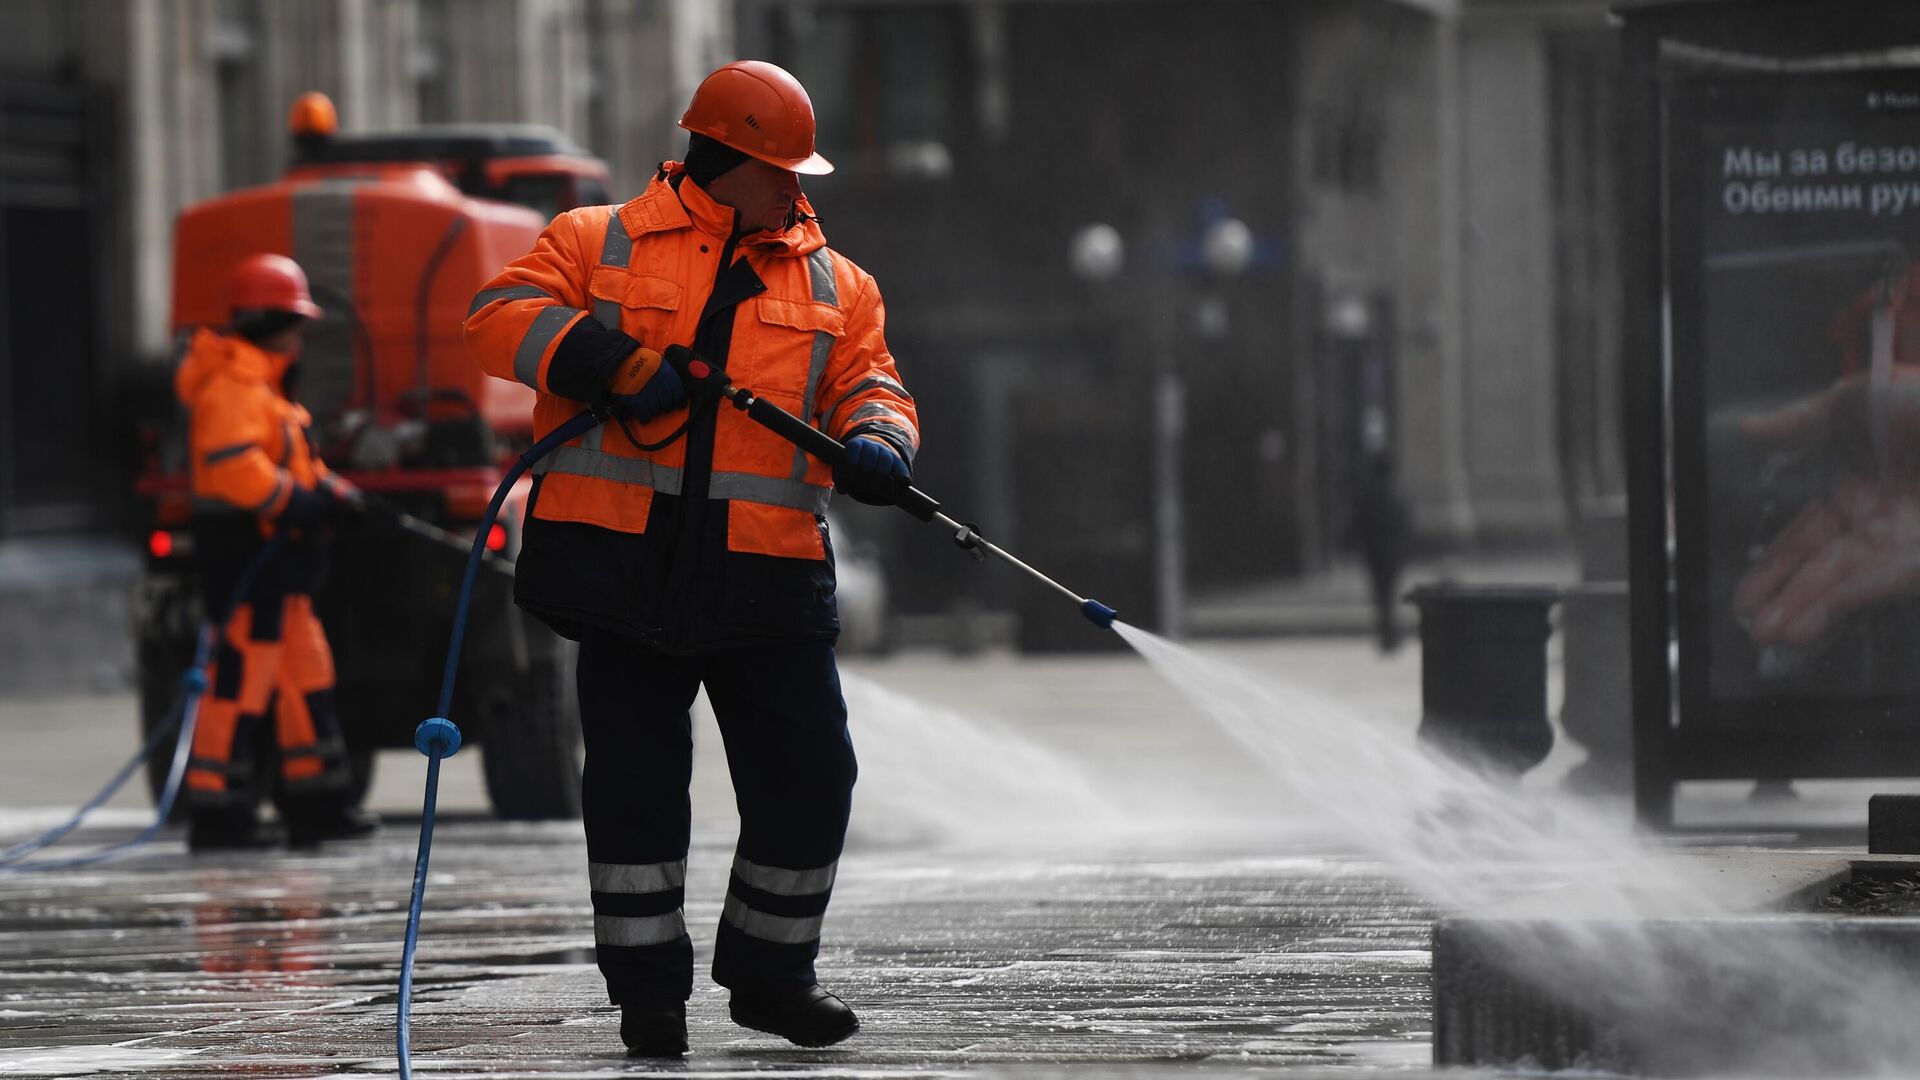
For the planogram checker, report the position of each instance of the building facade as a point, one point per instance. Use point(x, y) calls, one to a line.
point(116, 113)
point(1424, 267)
point(1428, 187)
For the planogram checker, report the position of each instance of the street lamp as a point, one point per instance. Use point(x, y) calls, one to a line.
point(1097, 253)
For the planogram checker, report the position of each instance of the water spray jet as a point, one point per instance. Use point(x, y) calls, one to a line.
point(1563, 941)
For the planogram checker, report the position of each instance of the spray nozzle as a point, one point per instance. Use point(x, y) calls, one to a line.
point(1099, 614)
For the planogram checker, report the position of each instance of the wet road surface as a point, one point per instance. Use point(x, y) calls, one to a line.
point(1050, 873)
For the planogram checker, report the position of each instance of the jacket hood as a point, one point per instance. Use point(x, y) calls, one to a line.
point(702, 212)
point(212, 354)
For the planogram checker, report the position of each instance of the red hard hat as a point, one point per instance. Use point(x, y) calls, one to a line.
point(270, 283)
point(761, 111)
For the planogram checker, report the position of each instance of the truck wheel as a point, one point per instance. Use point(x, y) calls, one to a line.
point(530, 747)
point(160, 696)
point(360, 759)
point(167, 622)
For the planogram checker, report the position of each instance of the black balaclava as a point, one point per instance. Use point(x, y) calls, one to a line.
point(708, 160)
point(258, 325)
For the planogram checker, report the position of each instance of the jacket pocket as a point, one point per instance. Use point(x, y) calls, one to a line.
point(779, 352)
point(645, 304)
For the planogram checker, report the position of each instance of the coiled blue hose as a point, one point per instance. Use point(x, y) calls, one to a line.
point(438, 737)
point(193, 684)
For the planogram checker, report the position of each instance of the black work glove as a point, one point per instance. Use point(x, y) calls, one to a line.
point(663, 392)
point(872, 472)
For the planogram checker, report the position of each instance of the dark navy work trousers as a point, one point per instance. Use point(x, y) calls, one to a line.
point(784, 724)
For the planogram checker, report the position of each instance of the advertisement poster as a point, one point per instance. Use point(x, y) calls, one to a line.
point(1794, 218)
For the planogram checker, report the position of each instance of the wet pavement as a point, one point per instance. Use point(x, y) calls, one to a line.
point(959, 960)
point(1051, 872)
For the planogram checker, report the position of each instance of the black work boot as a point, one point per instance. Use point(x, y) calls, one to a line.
point(230, 830)
point(656, 1031)
point(809, 1016)
point(310, 826)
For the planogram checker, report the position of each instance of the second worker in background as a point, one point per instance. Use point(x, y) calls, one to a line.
point(685, 547)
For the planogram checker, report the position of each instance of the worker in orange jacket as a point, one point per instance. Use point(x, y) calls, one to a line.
point(685, 547)
point(256, 476)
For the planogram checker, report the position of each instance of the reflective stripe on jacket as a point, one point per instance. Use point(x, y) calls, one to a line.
point(248, 442)
point(811, 341)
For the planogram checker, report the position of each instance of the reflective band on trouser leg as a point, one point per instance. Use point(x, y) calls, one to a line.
point(321, 767)
point(777, 904)
point(779, 706)
point(786, 882)
point(212, 781)
point(638, 904)
point(640, 929)
point(215, 725)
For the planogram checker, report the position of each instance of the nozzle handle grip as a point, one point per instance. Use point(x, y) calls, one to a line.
point(827, 449)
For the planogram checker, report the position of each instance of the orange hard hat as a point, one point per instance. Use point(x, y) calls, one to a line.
point(270, 283)
point(761, 111)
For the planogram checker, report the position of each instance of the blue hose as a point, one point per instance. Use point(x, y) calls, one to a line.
point(193, 684)
point(439, 737)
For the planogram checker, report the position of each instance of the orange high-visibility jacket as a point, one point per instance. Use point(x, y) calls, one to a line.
point(249, 443)
point(811, 342)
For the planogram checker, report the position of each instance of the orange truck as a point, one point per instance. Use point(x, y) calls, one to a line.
point(396, 232)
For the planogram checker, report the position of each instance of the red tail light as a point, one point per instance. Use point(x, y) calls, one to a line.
point(160, 543)
point(497, 537)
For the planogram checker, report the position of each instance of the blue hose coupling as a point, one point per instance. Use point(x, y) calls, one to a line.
point(194, 681)
point(437, 736)
point(1099, 614)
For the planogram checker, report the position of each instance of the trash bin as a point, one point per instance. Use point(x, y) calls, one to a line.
point(1483, 673)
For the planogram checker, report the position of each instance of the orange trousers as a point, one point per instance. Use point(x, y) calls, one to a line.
point(272, 658)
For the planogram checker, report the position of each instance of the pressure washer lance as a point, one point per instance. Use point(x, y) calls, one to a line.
point(705, 378)
point(385, 512)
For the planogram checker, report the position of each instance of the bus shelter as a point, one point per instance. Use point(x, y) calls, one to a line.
point(1772, 367)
